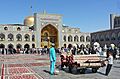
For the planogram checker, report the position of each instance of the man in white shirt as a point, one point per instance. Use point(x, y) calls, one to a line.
point(110, 62)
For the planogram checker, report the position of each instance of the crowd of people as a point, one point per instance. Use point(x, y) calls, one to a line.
point(5, 51)
point(74, 49)
point(95, 49)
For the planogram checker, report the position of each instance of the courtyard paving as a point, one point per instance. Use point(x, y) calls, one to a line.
point(34, 66)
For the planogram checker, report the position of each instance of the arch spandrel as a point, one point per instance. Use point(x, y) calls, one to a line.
point(44, 24)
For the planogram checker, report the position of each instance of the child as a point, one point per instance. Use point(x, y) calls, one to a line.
point(110, 62)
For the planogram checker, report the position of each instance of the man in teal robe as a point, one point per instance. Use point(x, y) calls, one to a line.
point(52, 59)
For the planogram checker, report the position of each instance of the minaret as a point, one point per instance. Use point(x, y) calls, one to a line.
point(112, 16)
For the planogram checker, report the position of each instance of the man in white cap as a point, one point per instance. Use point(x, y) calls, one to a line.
point(97, 48)
point(52, 59)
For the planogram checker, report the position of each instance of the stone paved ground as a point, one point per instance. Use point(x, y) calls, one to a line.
point(37, 67)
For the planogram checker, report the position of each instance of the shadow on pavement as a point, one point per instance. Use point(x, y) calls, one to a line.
point(46, 71)
point(78, 71)
point(116, 66)
point(101, 73)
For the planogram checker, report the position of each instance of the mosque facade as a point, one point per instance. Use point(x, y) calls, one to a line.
point(40, 31)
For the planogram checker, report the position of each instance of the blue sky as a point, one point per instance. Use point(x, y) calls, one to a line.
point(88, 15)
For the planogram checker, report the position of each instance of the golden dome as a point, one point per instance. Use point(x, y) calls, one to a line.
point(29, 21)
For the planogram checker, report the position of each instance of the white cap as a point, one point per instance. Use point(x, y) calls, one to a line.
point(52, 44)
point(112, 45)
point(96, 44)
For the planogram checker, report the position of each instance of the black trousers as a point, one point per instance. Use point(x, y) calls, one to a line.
point(109, 66)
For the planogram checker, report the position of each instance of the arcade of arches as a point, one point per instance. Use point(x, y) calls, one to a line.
point(49, 34)
point(18, 46)
point(2, 46)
